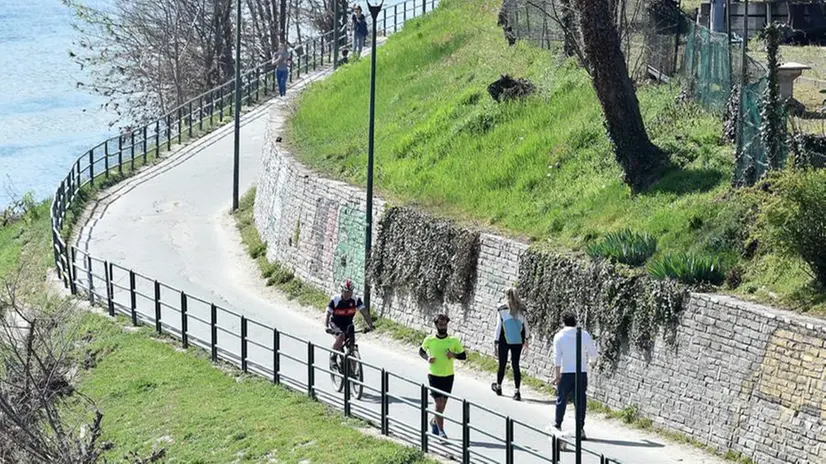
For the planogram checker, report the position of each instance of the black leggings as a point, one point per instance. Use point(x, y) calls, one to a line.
point(515, 350)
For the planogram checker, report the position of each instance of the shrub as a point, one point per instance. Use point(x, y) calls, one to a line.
point(795, 218)
point(625, 246)
point(689, 268)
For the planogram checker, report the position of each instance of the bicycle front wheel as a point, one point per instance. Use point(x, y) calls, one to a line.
point(356, 373)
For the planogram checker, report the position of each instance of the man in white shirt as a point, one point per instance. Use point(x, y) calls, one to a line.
point(565, 368)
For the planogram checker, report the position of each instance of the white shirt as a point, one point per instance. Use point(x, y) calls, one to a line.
point(565, 350)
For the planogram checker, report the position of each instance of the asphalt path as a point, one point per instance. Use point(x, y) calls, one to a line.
point(171, 223)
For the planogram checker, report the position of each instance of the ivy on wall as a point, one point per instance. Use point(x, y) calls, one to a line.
point(621, 306)
point(431, 258)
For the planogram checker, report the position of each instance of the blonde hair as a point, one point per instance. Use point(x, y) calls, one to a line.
point(514, 302)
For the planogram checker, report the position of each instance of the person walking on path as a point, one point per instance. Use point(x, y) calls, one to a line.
point(565, 369)
point(282, 62)
point(439, 351)
point(511, 334)
point(359, 31)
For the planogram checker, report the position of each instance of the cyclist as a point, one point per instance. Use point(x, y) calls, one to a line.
point(341, 310)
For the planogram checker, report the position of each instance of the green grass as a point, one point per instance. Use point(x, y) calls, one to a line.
point(26, 242)
point(541, 168)
point(153, 394)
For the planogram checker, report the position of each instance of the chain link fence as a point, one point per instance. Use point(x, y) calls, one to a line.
point(661, 43)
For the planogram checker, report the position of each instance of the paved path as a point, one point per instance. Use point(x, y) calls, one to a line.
point(171, 222)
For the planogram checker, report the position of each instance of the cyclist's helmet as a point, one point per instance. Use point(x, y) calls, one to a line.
point(347, 286)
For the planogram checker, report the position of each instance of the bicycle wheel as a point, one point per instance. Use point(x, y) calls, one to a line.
point(335, 373)
point(356, 373)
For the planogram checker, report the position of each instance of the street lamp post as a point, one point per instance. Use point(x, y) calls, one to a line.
point(237, 111)
point(368, 236)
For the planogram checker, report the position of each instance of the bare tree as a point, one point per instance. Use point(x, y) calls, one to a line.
point(43, 419)
point(148, 56)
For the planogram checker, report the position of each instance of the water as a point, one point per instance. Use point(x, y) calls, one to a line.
point(45, 121)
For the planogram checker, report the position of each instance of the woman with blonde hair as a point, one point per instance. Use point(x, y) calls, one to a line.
point(511, 335)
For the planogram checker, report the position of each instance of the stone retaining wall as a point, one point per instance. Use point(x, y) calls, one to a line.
point(740, 376)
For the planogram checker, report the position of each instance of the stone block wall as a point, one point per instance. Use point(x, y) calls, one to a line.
point(740, 376)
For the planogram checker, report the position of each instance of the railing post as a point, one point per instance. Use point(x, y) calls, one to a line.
point(189, 119)
point(180, 129)
point(106, 158)
point(133, 300)
point(258, 84)
point(396, 20)
point(310, 369)
point(145, 144)
point(120, 154)
point(346, 385)
point(243, 344)
point(276, 358)
point(385, 385)
point(423, 411)
point(221, 104)
point(157, 307)
point(168, 131)
point(465, 432)
point(91, 280)
point(214, 327)
point(109, 303)
point(384, 23)
point(424, 7)
point(184, 321)
point(157, 139)
point(200, 113)
point(555, 449)
point(73, 271)
point(132, 149)
point(322, 50)
point(211, 107)
point(92, 167)
point(508, 440)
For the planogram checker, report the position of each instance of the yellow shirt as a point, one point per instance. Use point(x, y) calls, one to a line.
point(437, 348)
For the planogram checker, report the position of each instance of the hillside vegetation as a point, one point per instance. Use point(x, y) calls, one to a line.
point(540, 168)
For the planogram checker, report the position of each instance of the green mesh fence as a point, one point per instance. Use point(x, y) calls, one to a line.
point(706, 67)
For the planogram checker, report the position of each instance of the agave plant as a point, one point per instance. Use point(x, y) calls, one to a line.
point(689, 268)
point(625, 246)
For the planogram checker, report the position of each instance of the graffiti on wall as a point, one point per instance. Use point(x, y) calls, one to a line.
point(349, 250)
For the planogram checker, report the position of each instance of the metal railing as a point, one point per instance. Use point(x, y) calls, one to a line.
point(253, 346)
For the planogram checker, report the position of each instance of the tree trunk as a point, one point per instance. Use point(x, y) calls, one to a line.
point(641, 161)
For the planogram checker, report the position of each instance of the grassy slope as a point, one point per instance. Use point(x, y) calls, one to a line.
point(541, 168)
point(153, 394)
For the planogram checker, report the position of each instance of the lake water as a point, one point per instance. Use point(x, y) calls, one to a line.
point(45, 121)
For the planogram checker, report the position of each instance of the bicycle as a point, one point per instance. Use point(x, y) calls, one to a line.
point(351, 350)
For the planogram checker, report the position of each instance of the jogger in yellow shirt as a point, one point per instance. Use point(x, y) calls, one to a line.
point(440, 350)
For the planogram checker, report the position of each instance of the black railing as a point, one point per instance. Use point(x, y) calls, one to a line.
point(253, 346)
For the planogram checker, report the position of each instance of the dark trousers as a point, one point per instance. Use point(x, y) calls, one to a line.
point(516, 351)
point(281, 76)
point(566, 389)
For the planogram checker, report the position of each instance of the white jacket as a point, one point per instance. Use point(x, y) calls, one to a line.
point(511, 325)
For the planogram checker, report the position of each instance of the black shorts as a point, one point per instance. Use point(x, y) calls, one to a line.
point(349, 329)
point(444, 384)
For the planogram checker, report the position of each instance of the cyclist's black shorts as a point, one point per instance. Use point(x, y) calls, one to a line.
point(349, 329)
point(444, 384)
